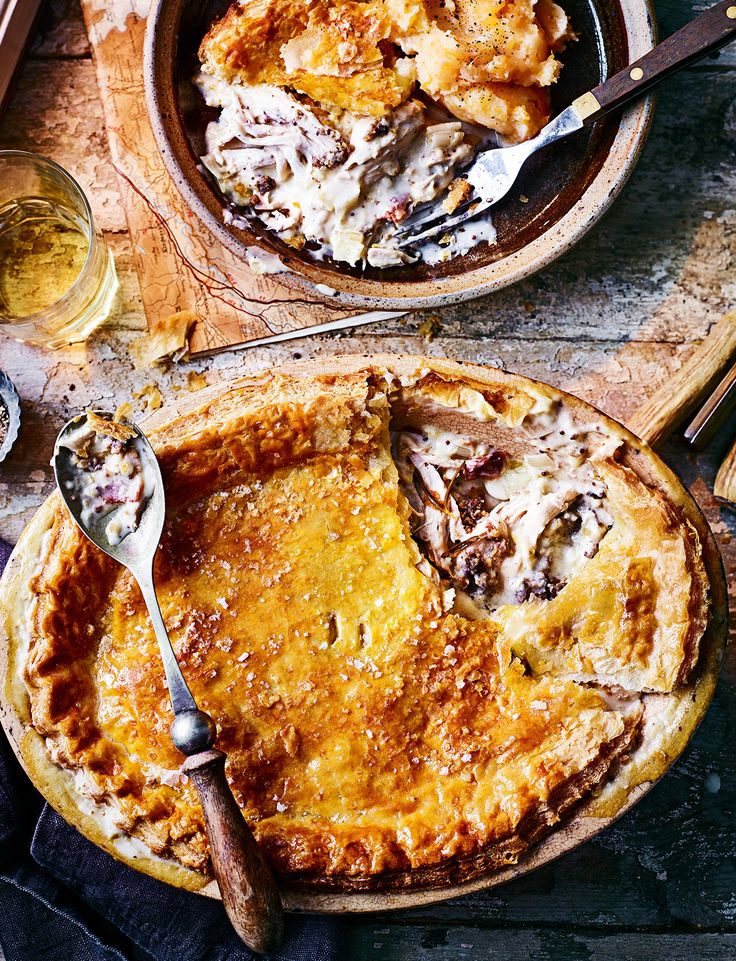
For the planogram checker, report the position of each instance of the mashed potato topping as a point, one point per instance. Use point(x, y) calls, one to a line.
point(321, 131)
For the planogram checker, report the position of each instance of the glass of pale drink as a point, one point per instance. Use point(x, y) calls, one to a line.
point(57, 276)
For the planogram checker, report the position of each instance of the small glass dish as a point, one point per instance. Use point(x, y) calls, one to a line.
point(57, 276)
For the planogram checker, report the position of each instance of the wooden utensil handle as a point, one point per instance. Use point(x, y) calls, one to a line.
point(705, 34)
point(682, 393)
point(246, 883)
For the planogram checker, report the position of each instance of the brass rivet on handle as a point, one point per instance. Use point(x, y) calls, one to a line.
point(731, 13)
point(637, 73)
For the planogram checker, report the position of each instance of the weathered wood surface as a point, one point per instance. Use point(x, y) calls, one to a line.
point(463, 943)
point(611, 321)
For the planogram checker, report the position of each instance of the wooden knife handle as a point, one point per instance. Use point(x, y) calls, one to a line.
point(679, 396)
point(705, 34)
point(246, 882)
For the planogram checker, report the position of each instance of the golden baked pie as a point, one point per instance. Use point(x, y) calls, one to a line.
point(425, 605)
point(338, 118)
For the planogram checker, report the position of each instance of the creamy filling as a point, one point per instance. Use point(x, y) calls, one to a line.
point(107, 817)
point(110, 480)
point(337, 183)
point(502, 528)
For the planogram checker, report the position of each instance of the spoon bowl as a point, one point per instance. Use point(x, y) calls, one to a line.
point(139, 547)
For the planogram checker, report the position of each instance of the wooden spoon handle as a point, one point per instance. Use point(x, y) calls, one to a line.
point(246, 883)
point(725, 483)
point(708, 32)
point(678, 397)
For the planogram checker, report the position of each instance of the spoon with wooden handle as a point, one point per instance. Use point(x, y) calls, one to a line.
point(246, 883)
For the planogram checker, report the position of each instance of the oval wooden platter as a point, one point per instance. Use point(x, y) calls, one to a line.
point(680, 712)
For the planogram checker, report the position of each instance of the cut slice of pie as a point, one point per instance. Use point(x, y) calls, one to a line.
point(403, 594)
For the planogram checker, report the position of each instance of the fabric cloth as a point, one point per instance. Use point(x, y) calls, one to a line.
point(63, 899)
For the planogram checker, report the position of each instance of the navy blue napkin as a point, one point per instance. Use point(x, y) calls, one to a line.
point(63, 899)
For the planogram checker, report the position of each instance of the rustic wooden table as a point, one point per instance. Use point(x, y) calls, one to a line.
point(610, 321)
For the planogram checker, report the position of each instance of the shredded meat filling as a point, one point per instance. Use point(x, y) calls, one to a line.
point(500, 530)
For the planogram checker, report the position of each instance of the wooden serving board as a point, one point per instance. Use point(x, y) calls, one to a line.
point(180, 264)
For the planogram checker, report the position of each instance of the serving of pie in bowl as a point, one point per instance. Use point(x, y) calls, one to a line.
point(338, 119)
point(449, 622)
point(304, 134)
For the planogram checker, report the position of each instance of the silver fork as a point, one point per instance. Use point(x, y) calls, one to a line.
point(494, 172)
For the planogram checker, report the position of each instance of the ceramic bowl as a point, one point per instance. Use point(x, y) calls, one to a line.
point(569, 185)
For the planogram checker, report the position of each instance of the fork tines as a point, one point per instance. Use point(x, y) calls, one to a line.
point(438, 221)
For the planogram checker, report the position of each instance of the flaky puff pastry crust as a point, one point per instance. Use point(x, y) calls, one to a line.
point(488, 61)
point(373, 740)
point(645, 605)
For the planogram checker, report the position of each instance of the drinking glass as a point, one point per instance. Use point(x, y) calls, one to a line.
point(57, 276)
